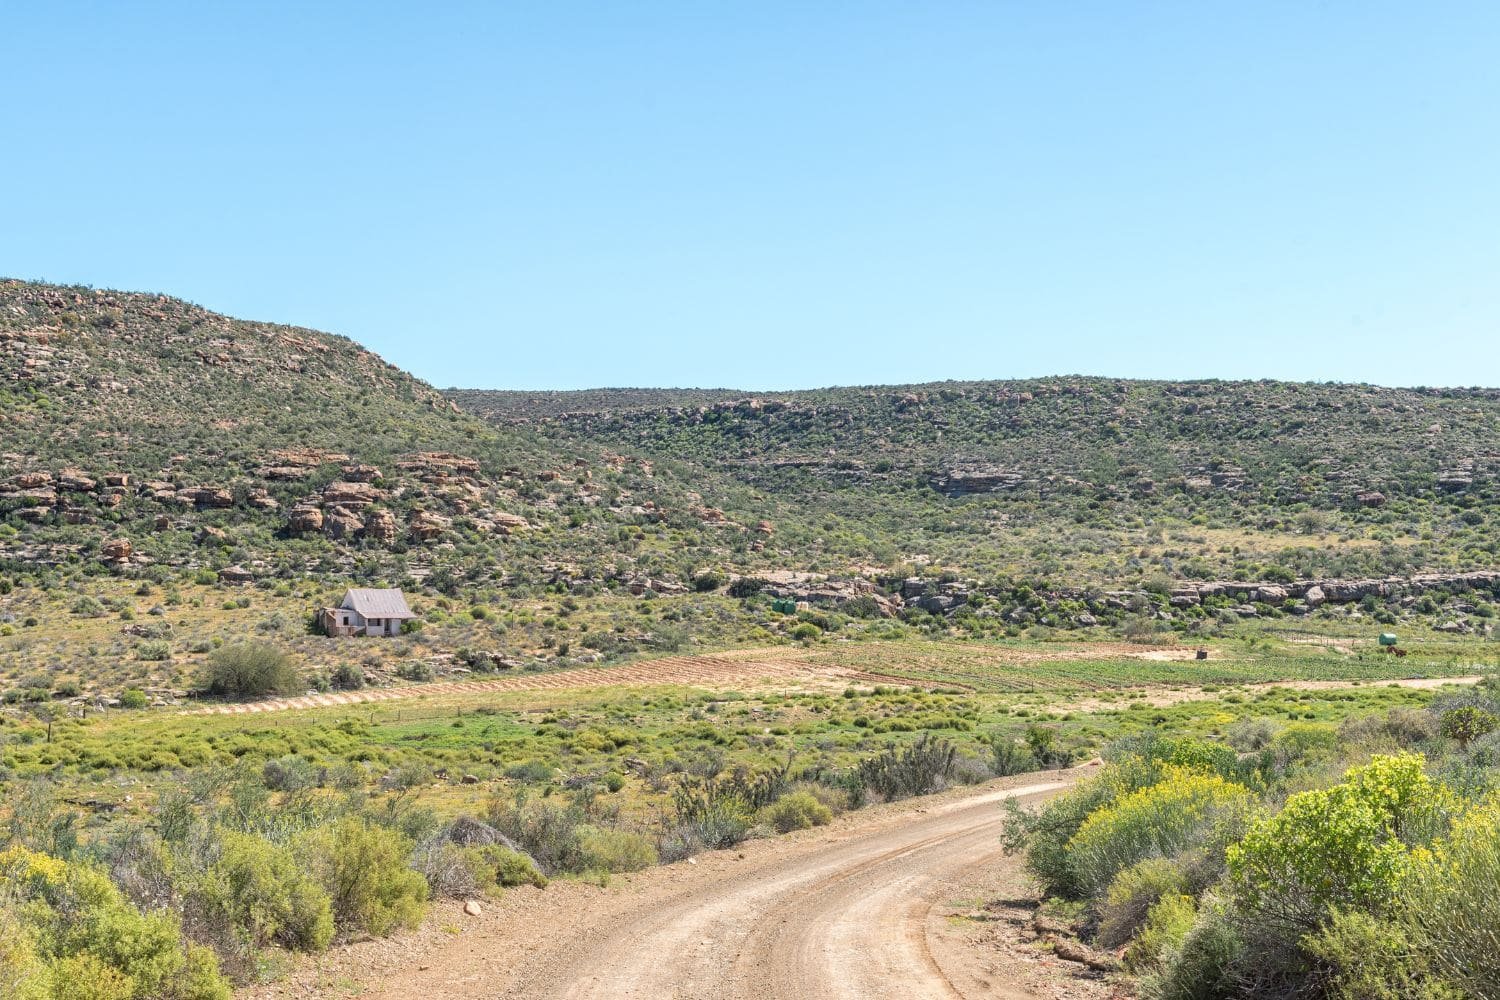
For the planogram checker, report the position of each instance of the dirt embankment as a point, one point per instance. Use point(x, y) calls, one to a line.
point(866, 908)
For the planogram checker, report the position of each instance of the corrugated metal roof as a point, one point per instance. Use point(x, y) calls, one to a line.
point(377, 603)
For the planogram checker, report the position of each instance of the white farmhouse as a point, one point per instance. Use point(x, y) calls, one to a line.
point(366, 612)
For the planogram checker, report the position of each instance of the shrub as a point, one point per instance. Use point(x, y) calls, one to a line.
point(614, 851)
point(289, 774)
point(1362, 957)
point(450, 870)
point(133, 698)
point(1466, 724)
point(23, 973)
point(415, 670)
point(796, 811)
point(546, 830)
point(708, 813)
point(1009, 756)
point(1184, 809)
point(1201, 966)
point(1132, 895)
point(918, 769)
point(264, 891)
point(1164, 927)
point(1343, 847)
point(806, 631)
point(1043, 835)
point(251, 670)
point(75, 921)
point(1451, 905)
point(512, 868)
point(347, 677)
point(363, 868)
point(154, 650)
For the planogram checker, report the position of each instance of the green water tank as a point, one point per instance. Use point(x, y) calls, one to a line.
point(1387, 638)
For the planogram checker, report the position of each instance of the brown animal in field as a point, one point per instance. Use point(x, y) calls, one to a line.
point(1398, 651)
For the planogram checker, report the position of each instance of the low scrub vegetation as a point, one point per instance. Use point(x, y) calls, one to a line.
point(1362, 869)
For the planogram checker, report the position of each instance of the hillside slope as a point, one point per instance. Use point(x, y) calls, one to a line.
point(142, 429)
point(1079, 477)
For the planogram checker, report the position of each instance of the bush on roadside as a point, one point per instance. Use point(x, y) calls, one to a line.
point(71, 934)
point(363, 868)
point(1132, 895)
point(796, 811)
point(1185, 809)
point(264, 891)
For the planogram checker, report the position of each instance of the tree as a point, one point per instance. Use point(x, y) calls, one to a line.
point(1467, 724)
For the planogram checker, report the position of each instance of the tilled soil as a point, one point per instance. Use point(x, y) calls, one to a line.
point(733, 669)
point(885, 903)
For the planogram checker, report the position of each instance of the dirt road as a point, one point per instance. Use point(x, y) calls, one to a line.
point(856, 910)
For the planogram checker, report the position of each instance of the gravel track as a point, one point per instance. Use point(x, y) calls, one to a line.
point(850, 912)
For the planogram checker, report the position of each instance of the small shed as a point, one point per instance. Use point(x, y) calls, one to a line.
point(365, 611)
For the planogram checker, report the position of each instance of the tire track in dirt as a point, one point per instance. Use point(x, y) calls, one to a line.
point(843, 913)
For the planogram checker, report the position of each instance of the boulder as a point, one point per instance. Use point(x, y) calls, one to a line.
point(1270, 593)
point(206, 496)
point(425, 526)
point(75, 481)
point(361, 473)
point(350, 495)
point(341, 523)
point(117, 550)
point(1315, 596)
point(236, 574)
point(304, 519)
point(1371, 498)
point(209, 535)
point(380, 527)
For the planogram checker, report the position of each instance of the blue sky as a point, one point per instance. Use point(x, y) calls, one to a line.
point(777, 195)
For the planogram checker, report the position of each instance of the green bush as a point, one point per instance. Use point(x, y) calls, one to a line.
point(364, 871)
point(1451, 904)
point(1132, 895)
point(1362, 957)
point(1201, 966)
point(1185, 809)
point(94, 944)
point(133, 698)
point(796, 811)
point(251, 670)
point(1043, 835)
point(512, 868)
point(264, 891)
point(1344, 847)
point(613, 851)
point(1163, 929)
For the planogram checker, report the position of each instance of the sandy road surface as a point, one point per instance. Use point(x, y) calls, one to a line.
point(850, 911)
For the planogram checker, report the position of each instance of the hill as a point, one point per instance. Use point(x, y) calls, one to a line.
point(158, 456)
point(1080, 478)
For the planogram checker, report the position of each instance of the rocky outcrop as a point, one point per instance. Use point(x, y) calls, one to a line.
point(959, 482)
point(206, 496)
point(304, 519)
point(380, 527)
point(117, 550)
point(425, 525)
point(354, 496)
point(341, 523)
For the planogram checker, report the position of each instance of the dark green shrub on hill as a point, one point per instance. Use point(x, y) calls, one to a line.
point(251, 670)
